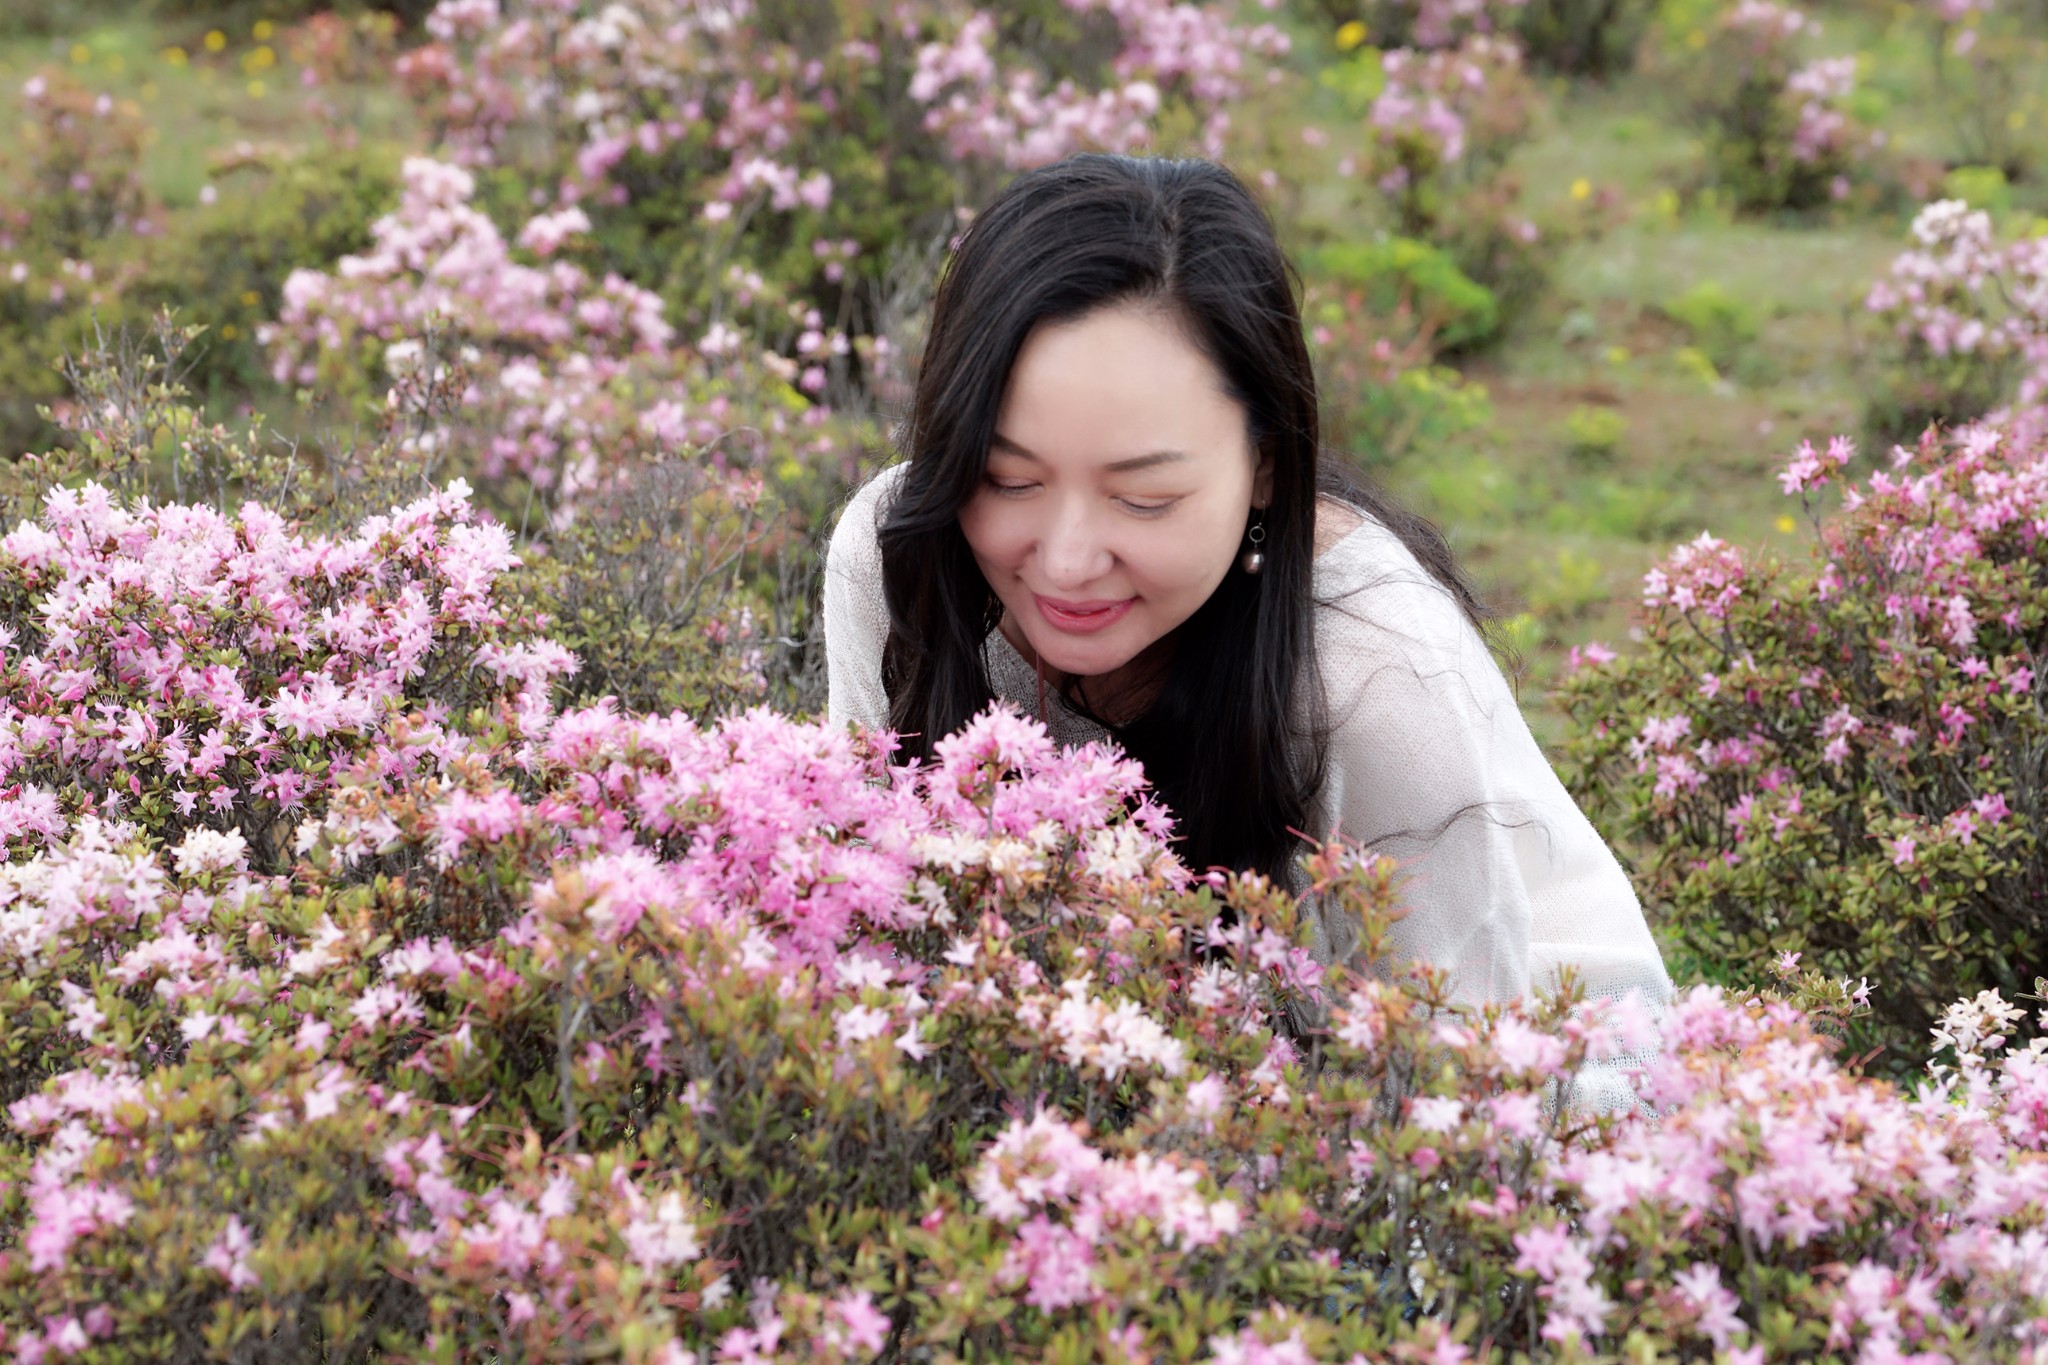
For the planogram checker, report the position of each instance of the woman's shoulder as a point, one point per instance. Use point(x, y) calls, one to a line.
point(1336, 521)
point(1356, 550)
point(1369, 586)
point(871, 499)
point(855, 532)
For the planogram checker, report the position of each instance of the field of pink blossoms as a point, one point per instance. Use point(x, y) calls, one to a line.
point(433, 929)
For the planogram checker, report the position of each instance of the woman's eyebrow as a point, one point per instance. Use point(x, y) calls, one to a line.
point(1136, 462)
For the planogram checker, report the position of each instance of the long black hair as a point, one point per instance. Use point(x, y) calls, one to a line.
point(1187, 236)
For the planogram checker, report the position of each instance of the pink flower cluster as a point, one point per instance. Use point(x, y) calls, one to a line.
point(1825, 133)
point(1705, 574)
point(1811, 469)
point(779, 877)
point(1446, 118)
point(1959, 297)
point(552, 354)
point(1858, 723)
point(207, 673)
point(1441, 23)
point(645, 77)
point(1767, 22)
point(1034, 1171)
point(1825, 1150)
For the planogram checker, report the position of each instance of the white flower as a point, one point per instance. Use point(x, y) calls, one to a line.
point(207, 850)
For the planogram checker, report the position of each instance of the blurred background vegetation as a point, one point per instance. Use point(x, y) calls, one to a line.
point(1660, 352)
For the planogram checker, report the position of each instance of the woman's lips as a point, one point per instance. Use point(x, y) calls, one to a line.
point(1082, 618)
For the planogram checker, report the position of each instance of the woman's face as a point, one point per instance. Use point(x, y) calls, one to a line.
point(1117, 490)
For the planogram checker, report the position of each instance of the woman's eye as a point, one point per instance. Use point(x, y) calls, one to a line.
point(1146, 508)
point(1007, 488)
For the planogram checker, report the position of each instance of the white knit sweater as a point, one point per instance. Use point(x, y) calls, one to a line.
point(1424, 726)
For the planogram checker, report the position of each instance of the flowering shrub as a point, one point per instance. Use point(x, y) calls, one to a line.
point(698, 235)
point(1968, 320)
point(1780, 132)
point(1836, 761)
point(1442, 123)
point(1424, 24)
point(739, 138)
point(71, 273)
point(639, 1038)
point(71, 174)
point(77, 163)
point(196, 672)
point(338, 57)
point(1448, 115)
point(1593, 38)
point(545, 396)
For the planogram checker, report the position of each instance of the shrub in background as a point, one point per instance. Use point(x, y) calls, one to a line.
point(1781, 132)
point(1442, 123)
point(1841, 759)
point(1590, 38)
point(75, 165)
point(409, 12)
point(87, 251)
point(226, 265)
point(797, 144)
point(77, 160)
point(1386, 397)
point(1593, 435)
point(1596, 39)
point(1967, 322)
point(1425, 24)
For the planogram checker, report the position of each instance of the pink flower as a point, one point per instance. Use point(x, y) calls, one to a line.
point(228, 1256)
point(855, 1324)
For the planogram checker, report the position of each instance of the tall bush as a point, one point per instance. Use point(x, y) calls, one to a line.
point(1780, 131)
point(1965, 318)
point(1841, 758)
point(1442, 123)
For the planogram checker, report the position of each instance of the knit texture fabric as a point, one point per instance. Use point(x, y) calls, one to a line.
point(1428, 759)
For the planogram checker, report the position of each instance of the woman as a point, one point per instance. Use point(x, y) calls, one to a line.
point(1115, 513)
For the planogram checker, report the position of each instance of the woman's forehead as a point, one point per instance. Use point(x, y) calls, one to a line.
point(1115, 386)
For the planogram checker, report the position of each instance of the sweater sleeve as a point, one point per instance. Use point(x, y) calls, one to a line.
point(1431, 761)
point(856, 614)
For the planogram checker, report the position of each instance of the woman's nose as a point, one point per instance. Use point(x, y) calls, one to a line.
point(1072, 550)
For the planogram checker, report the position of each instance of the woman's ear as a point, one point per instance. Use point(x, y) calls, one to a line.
point(1262, 480)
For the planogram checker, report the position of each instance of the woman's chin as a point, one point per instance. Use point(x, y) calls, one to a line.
point(1080, 659)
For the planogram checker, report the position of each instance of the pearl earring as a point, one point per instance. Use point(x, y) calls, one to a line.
point(1254, 558)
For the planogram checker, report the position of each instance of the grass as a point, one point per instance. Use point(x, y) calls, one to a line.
point(201, 105)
